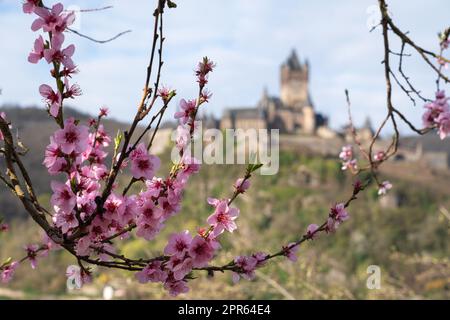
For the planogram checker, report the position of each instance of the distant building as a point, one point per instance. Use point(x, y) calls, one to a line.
point(292, 112)
point(364, 134)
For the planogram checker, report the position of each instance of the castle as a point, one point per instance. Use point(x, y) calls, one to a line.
point(292, 113)
point(301, 127)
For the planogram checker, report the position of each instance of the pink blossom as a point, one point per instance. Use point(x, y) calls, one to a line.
point(213, 201)
point(130, 211)
point(31, 250)
point(63, 197)
point(68, 72)
point(290, 251)
point(169, 208)
point(114, 205)
point(223, 218)
point(435, 109)
point(53, 99)
point(205, 95)
point(95, 155)
point(82, 247)
point(152, 272)
point(247, 266)
point(201, 251)
point(102, 137)
point(165, 93)
point(29, 6)
point(55, 54)
point(346, 153)
point(311, 231)
point(178, 244)
point(72, 137)
point(180, 267)
point(48, 19)
point(38, 51)
point(384, 187)
point(379, 156)
point(183, 137)
point(85, 204)
point(242, 185)
point(8, 272)
point(73, 274)
point(72, 91)
point(149, 212)
point(52, 20)
point(187, 110)
point(190, 165)
point(154, 187)
point(4, 227)
point(77, 276)
point(143, 165)
point(357, 186)
point(174, 191)
point(99, 171)
point(261, 258)
point(176, 287)
point(148, 220)
point(204, 67)
point(54, 158)
point(337, 215)
point(352, 164)
point(443, 122)
point(65, 220)
point(104, 111)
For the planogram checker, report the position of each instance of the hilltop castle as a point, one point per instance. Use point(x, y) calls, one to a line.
point(292, 112)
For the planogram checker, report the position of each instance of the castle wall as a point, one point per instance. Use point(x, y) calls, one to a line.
point(294, 86)
point(309, 120)
point(226, 123)
point(250, 124)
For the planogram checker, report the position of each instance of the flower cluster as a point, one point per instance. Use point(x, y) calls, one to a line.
point(4, 227)
point(346, 155)
point(184, 252)
point(78, 152)
point(77, 276)
point(379, 156)
point(247, 265)
point(437, 114)
point(54, 22)
point(384, 187)
point(7, 271)
point(189, 108)
point(203, 69)
point(338, 214)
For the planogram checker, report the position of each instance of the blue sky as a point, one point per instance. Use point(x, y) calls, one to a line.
point(248, 39)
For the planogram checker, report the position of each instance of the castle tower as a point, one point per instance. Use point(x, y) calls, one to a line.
point(294, 82)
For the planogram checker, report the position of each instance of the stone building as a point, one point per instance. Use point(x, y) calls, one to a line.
point(292, 112)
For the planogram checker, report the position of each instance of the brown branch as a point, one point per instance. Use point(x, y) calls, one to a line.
point(33, 210)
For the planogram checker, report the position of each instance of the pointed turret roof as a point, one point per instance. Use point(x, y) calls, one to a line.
point(292, 61)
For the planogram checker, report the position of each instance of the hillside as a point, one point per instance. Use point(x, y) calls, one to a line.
point(404, 234)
